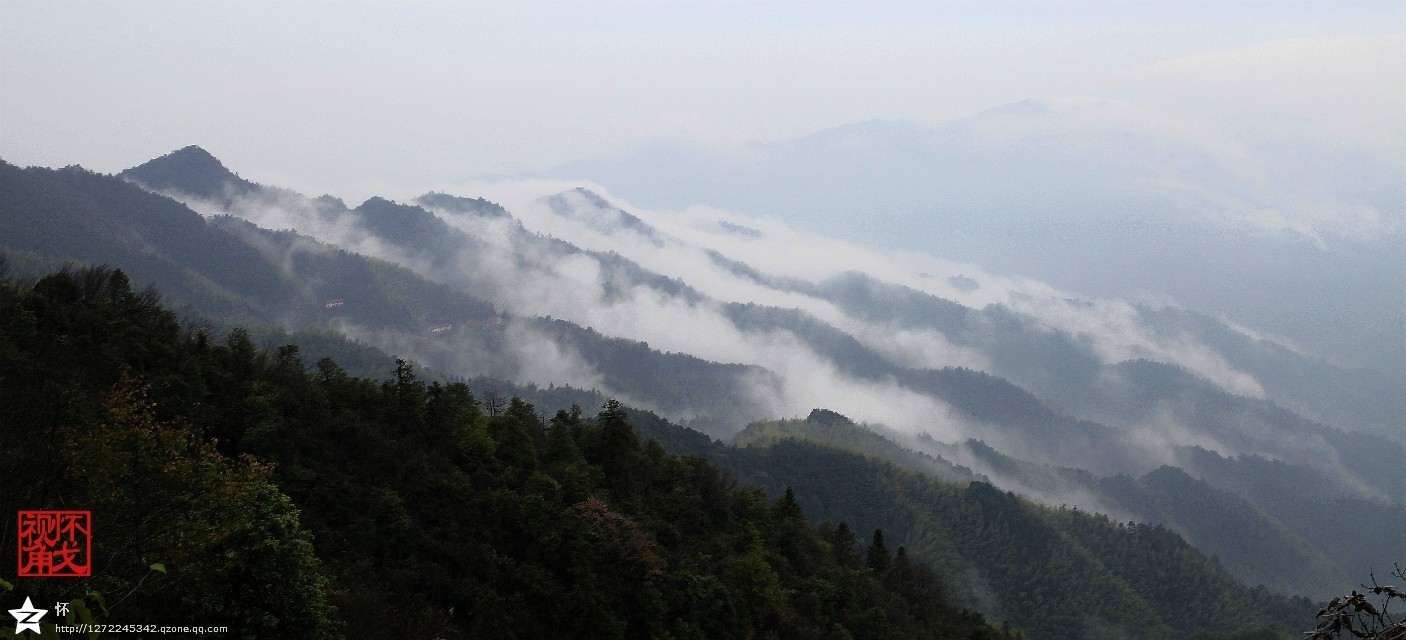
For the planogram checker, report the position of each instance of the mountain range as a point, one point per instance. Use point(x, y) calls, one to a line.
point(1298, 239)
point(1283, 466)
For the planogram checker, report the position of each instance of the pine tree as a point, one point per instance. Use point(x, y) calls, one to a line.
point(878, 557)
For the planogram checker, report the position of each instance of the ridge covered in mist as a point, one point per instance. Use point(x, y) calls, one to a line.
point(326, 501)
point(1292, 237)
point(719, 321)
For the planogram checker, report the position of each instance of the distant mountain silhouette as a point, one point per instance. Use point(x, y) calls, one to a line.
point(190, 170)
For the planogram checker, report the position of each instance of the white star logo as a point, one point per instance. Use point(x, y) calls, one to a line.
point(27, 617)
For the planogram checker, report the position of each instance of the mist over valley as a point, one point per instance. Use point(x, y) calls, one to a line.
point(706, 320)
point(718, 321)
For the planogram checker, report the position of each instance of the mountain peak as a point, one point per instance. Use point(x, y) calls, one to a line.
point(457, 204)
point(589, 207)
point(191, 170)
point(828, 417)
point(594, 198)
point(194, 152)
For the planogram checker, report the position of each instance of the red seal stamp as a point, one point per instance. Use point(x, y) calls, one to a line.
point(55, 544)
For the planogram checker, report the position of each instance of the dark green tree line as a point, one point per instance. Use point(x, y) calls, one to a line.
point(287, 502)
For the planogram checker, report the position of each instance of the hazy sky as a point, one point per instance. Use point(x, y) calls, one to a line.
point(346, 97)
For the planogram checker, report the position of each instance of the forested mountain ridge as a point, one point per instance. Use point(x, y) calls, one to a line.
point(1251, 541)
point(189, 168)
point(856, 293)
point(1070, 573)
point(218, 268)
point(1058, 365)
point(456, 275)
point(225, 271)
point(614, 537)
point(1061, 365)
point(283, 502)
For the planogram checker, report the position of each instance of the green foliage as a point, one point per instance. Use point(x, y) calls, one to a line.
point(238, 552)
point(424, 506)
point(234, 486)
point(1061, 573)
point(90, 370)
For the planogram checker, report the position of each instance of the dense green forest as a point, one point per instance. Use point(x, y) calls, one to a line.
point(1247, 540)
point(1123, 578)
point(288, 502)
point(1065, 572)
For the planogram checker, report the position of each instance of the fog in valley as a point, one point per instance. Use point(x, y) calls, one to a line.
point(1035, 260)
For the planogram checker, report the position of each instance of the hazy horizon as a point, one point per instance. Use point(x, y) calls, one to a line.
point(1242, 159)
point(345, 99)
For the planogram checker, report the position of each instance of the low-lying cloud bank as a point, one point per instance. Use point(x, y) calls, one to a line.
point(681, 280)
